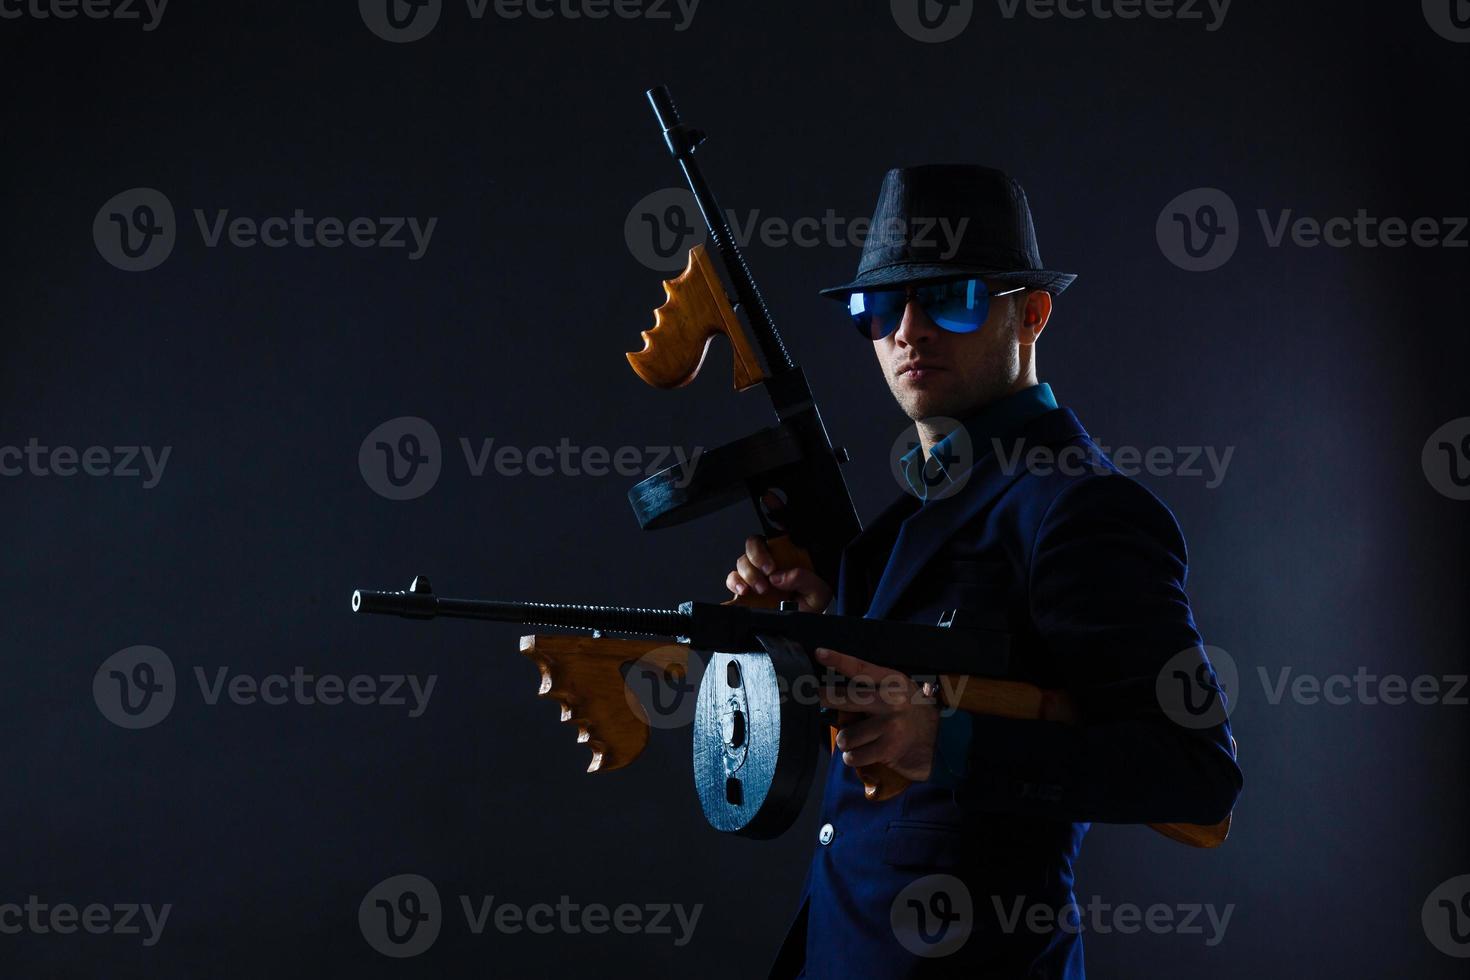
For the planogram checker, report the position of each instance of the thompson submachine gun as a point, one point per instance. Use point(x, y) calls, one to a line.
point(789, 471)
point(756, 742)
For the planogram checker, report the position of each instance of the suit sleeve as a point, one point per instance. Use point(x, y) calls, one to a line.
point(1107, 599)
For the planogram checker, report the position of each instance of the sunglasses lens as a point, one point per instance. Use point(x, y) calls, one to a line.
point(876, 314)
point(959, 307)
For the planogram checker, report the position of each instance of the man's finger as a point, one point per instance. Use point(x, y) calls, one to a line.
point(859, 733)
point(736, 584)
point(856, 697)
point(867, 755)
point(759, 554)
point(752, 575)
point(854, 668)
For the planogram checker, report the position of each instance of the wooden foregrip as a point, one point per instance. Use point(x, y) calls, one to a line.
point(585, 674)
point(1013, 699)
point(696, 310)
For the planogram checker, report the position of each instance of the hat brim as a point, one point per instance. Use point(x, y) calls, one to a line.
point(919, 275)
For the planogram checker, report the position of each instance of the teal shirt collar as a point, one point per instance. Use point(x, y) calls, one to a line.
point(998, 420)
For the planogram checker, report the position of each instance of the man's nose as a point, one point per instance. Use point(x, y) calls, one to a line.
point(915, 327)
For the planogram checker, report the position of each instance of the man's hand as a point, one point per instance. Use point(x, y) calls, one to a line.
point(756, 571)
point(884, 718)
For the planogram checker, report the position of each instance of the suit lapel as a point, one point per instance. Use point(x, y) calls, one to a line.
point(853, 581)
point(925, 533)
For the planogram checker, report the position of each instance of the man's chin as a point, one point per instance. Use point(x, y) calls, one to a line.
point(927, 405)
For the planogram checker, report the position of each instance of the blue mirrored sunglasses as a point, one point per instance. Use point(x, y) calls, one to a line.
point(959, 307)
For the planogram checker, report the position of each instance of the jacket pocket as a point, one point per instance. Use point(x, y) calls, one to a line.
point(922, 844)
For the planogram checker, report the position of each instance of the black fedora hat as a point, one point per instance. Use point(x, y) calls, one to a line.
point(943, 222)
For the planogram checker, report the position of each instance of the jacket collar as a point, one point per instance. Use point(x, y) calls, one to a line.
point(951, 456)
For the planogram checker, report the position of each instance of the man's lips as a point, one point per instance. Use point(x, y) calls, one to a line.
point(918, 369)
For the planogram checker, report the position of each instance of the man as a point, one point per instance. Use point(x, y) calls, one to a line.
point(1084, 567)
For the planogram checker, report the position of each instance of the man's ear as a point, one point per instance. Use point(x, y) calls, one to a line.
point(1034, 314)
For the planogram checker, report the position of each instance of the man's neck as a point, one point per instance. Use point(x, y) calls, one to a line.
point(931, 434)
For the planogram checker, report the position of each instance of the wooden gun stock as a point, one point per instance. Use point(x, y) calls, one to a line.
point(697, 309)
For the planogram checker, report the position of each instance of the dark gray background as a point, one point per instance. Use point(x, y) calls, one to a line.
point(1325, 549)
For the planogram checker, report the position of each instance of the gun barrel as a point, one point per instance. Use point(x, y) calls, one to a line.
point(728, 628)
point(608, 619)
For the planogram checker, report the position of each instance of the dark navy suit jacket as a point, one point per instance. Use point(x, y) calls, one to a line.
point(1085, 568)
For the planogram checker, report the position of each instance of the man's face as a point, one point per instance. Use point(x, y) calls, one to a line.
point(933, 372)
